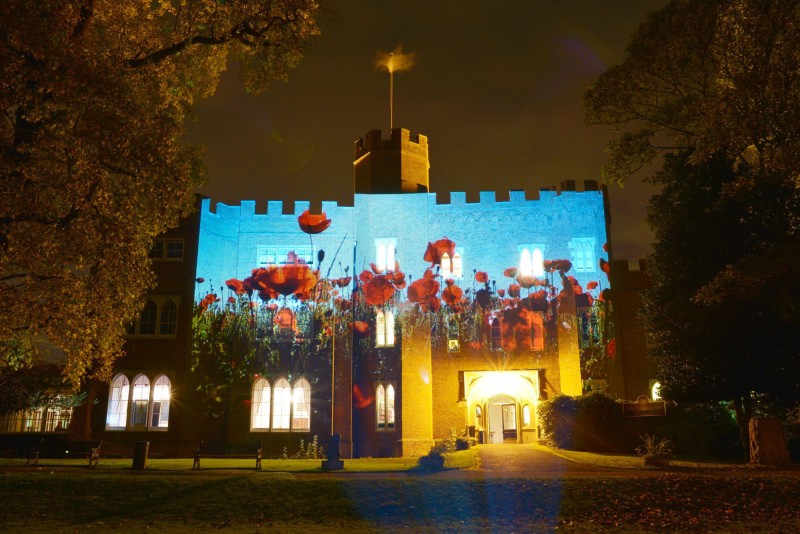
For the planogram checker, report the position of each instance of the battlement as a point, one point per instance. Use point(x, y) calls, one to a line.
point(520, 196)
point(398, 138)
point(274, 208)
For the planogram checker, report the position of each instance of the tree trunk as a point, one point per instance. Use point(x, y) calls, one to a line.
point(744, 411)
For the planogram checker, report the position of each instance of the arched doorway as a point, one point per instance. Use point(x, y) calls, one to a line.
point(501, 405)
point(502, 419)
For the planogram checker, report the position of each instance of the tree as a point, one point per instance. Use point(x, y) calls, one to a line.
point(94, 96)
point(713, 76)
point(713, 346)
point(713, 87)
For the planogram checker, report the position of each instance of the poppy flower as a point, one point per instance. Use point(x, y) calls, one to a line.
point(342, 282)
point(481, 277)
point(377, 289)
point(398, 278)
point(557, 265)
point(605, 247)
point(513, 291)
point(200, 280)
point(437, 249)
point(375, 268)
point(424, 291)
point(605, 266)
point(359, 326)
point(208, 300)
point(527, 281)
point(236, 286)
point(313, 224)
point(449, 282)
point(231, 300)
point(452, 296)
point(501, 292)
point(511, 272)
point(592, 285)
point(292, 279)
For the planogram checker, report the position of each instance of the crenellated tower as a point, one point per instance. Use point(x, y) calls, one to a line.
point(396, 165)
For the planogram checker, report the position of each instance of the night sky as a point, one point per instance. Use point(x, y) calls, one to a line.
point(496, 86)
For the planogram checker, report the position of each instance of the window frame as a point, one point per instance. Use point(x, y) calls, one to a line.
point(385, 406)
point(155, 306)
point(124, 403)
point(385, 253)
point(584, 256)
point(161, 250)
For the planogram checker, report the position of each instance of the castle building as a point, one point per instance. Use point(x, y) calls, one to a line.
point(392, 322)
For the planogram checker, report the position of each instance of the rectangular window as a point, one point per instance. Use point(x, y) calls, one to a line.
point(166, 249)
point(583, 254)
point(282, 255)
point(384, 253)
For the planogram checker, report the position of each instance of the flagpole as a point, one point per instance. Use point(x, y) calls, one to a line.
point(391, 94)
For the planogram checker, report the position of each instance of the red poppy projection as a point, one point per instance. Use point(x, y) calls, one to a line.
point(437, 249)
point(425, 292)
point(313, 224)
point(481, 277)
point(379, 288)
point(452, 295)
point(293, 279)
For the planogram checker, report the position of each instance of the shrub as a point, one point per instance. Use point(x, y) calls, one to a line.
point(557, 420)
point(589, 423)
point(655, 453)
point(701, 430)
point(600, 425)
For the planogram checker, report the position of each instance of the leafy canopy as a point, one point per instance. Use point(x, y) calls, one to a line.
point(713, 76)
point(94, 95)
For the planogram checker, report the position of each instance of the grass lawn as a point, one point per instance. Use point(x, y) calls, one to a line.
point(121, 500)
point(456, 460)
point(632, 461)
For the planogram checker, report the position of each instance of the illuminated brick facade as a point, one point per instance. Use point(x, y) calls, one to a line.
point(391, 377)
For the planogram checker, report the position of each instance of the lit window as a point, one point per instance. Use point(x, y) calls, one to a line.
point(140, 399)
point(380, 406)
point(384, 406)
point(148, 407)
point(451, 267)
point(526, 415)
point(118, 403)
point(385, 254)
point(583, 259)
point(169, 318)
point(537, 261)
point(531, 260)
point(445, 266)
point(478, 417)
point(57, 415)
point(525, 263)
point(161, 396)
point(390, 406)
point(260, 406)
point(384, 329)
point(282, 405)
point(301, 409)
point(457, 269)
point(655, 391)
